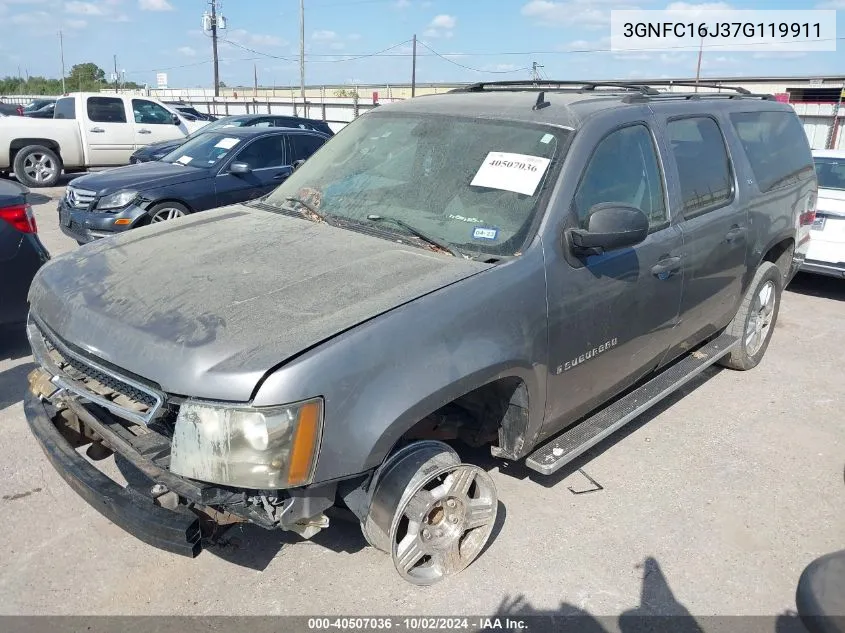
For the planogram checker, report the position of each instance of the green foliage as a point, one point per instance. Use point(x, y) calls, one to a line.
point(346, 92)
point(87, 77)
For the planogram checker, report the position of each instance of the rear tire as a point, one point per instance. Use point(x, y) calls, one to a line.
point(756, 318)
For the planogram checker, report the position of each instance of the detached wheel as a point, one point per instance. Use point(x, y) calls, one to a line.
point(37, 166)
point(166, 211)
point(432, 513)
point(755, 320)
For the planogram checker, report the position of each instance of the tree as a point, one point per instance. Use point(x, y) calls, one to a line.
point(87, 77)
point(221, 84)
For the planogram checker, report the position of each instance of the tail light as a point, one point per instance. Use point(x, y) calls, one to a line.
point(20, 217)
point(809, 215)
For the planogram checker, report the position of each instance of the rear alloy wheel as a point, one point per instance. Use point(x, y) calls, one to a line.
point(37, 166)
point(167, 211)
point(432, 513)
point(755, 320)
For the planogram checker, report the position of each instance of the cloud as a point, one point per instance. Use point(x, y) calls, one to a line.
point(777, 55)
point(324, 35)
point(569, 12)
point(76, 25)
point(698, 8)
point(120, 17)
point(444, 21)
point(402, 4)
point(83, 8)
point(187, 51)
point(155, 5)
point(441, 26)
point(839, 5)
point(354, 37)
point(34, 17)
point(244, 37)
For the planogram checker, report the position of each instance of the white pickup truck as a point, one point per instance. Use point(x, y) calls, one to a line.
point(87, 130)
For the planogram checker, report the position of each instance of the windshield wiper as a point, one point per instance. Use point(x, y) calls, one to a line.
point(319, 215)
point(415, 231)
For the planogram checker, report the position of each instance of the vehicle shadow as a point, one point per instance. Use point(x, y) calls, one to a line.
point(13, 343)
point(658, 610)
point(818, 286)
point(518, 470)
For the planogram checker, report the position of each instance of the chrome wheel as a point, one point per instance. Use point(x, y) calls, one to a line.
point(40, 167)
point(760, 318)
point(442, 529)
point(432, 513)
point(166, 213)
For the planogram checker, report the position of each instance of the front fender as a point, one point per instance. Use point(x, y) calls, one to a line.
point(381, 377)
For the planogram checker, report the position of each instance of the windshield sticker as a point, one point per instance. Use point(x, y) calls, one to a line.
point(185, 159)
point(463, 219)
point(546, 138)
point(484, 233)
point(511, 172)
point(227, 143)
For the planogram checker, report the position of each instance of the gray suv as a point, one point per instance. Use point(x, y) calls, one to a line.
point(524, 267)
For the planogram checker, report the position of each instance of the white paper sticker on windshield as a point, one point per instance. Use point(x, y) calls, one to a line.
point(227, 143)
point(546, 138)
point(184, 159)
point(511, 172)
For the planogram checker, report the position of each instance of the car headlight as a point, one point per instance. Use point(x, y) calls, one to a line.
point(117, 200)
point(247, 447)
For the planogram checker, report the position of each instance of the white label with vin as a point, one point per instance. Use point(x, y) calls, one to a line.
point(511, 172)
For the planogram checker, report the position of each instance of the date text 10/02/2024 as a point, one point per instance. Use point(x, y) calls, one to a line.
point(417, 624)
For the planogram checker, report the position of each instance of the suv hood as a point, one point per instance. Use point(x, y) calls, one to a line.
point(142, 177)
point(205, 305)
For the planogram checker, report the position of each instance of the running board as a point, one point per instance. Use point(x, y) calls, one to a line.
point(565, 447)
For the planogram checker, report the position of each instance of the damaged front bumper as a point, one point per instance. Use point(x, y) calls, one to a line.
point(159, 508)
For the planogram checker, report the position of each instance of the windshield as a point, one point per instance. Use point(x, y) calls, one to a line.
point(473, 183)
point(229, 121)
point(830, 172)
point(203, 151)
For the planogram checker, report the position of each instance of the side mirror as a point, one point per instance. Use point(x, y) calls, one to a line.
point(239, 168)
point(176, 120)
point(611, 226)
point(297, 163)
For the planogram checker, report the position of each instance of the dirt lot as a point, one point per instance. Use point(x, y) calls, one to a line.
point(711, 504)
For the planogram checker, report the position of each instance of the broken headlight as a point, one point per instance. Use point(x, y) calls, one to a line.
point(247, 447)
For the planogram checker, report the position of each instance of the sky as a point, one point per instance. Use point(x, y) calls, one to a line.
point(459, 40)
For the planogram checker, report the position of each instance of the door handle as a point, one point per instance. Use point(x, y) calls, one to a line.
point(734, 233)
point(144, 132)
point(666, 267)
point(97, 129)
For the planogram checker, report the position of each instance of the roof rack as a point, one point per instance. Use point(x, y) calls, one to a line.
point(634, 91)
point(560, 84)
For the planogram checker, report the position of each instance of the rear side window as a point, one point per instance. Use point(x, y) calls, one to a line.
point(65, 109)
point(106, 110)
point(704, 169)
point(303, 145)
point(776, 146)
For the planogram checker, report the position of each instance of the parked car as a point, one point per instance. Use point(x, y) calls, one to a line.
point(523, 267)
point(155, 151)
point(45, 112)
point(37, 104)
point(190, 111)
point(21, 252)
point(213, 169)
point(11, 109)
point(87, 130)
point(827, 239)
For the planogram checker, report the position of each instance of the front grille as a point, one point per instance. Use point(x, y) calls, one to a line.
point(119, 394)
point(79, 198)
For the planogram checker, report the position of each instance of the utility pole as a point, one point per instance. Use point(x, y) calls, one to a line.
point(414, 68)
point(115, 73)
point(535, 71)
point(698, 66)
point(62, 50)
point(214, 47)
point(302, 51)
point(255, 78)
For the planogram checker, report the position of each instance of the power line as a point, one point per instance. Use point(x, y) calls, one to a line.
point(348, 58)
point(478, 70)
